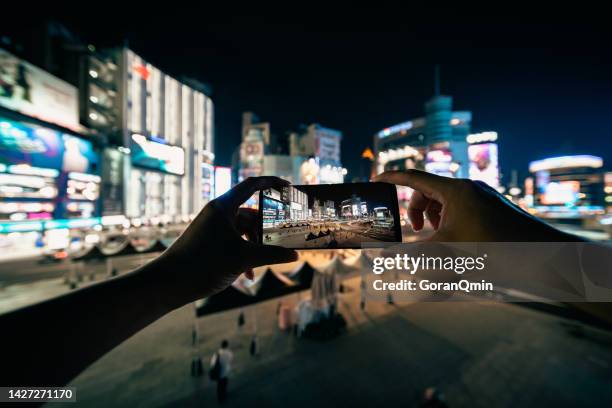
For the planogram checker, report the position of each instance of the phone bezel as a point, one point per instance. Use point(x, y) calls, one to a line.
point(392, 191)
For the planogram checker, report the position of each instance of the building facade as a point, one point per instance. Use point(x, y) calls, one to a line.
point(164, 128)
point(49, 163)
point(408, 146)
point(311, 157)
point(568, 187)
point(322, 145)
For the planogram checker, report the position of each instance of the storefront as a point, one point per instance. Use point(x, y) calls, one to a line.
point(49, 180)
point(49, 173)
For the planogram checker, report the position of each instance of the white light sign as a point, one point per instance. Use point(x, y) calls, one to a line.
point(34, 92)
point(482, 137)
point(223, 180)
point(564, 162)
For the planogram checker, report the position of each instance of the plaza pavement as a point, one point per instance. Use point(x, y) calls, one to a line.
point(477, 354)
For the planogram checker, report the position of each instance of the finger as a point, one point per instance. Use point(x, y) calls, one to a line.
point(269, 254)
point(433, 211)
point(431, 185)
point(247, 223)
point(418, 204)
point(232, 199)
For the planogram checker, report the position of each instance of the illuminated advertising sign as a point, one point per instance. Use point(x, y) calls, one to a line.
point(563, 192)
point(565, 162)
point(327, 147)
point(208, 182)
point(402, 127)
point(22, 143)
point(252, 155)
point(309, 172)
point(223, 180)
point(157, 156)
point(440, 162)
point(484, 164)
point(30, 90)
point(481, 137)
point(54, 168)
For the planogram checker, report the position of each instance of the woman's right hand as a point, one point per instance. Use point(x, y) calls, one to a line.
point(469, 211)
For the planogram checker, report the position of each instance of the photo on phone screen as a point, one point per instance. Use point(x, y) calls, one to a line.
point(329, 215)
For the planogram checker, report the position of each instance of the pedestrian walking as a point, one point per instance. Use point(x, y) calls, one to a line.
point(220, 368)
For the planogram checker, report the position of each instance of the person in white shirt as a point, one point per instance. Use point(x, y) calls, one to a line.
point(225, 357)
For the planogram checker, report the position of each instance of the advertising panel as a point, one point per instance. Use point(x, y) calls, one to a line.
point(46, 174)
point(251, 158)
point(157, 156)
point(484, 164)
point(22, 143)
point(28, 89)
point(561, 193)
point(208, 182)
point(440, 162)
point(327, 147)
point(223, 180)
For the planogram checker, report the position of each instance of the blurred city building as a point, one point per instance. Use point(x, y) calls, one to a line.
point(483, 158)
point(323, 146)
point(163, 127)
point(437, 143)
point(256, 142)
point(49, 163)
point(94, 138)
point(289, 203)
point(311, 157)
point(437, 148)
point(568, 188)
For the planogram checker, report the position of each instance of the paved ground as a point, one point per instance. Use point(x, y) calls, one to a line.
point(478, 354)
point(349, 234)
point(27, 281)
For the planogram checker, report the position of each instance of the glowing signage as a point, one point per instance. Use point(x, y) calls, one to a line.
point(34, 92)
point(395, 129)
point(29, 147)
point(481, 137)
point(439, 156)
point(565, 162)
point(395, 154)
point(223, 180)
point(563, 192)
point(440, 162)
point(157, 156)
point(329, 174)
point(309, 172)
point(484, 164)
point(7, 227)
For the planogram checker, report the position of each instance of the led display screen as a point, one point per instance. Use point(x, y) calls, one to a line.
point(484, 163)
point(157, 156)
point(22, 143)
point(34, 92)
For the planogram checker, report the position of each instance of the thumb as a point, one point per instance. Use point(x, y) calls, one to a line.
point(259, 255)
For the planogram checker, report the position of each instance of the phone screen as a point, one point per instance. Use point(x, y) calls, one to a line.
point(328, 216)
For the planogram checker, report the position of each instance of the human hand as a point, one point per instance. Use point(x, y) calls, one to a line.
point(469, 211)
point(211, 253)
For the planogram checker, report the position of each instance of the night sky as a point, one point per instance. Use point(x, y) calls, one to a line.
point(544, 85)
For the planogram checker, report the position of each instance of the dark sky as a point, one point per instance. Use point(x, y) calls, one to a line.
point(543, 82)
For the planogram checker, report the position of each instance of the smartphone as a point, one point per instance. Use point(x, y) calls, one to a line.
point(328, 216)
